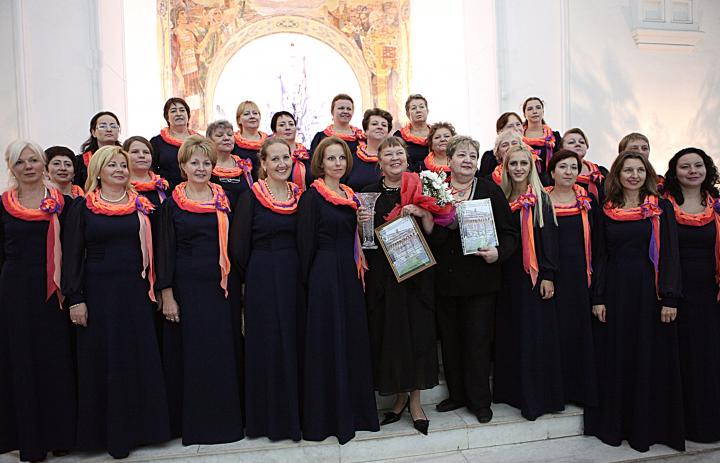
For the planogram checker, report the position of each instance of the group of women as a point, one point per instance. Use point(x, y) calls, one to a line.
point(214, 287)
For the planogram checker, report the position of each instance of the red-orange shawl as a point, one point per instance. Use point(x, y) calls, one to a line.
point(526, 202)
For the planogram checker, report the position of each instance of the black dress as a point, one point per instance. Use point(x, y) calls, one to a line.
point(80, 165)
point(37, 390)
point(352, 143)
point(165, 159)
point(251, 154)
point(233, 186)
point(639, 385)
point(338, 397)
point(121, 391)
point(542, 150)
point(528, 373)
point(574, 310)
point(416, 152)
point(199, 352)
point(598, 184)
point(488, 163)
point(363, 173)
point(699, 333)
point(401, 317)
point(265, 255)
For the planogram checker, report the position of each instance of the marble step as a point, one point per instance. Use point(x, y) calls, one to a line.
point(452, 431)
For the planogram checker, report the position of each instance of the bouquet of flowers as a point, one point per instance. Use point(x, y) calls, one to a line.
point(435, 186)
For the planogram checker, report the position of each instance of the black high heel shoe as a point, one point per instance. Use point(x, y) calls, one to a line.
point(421, 425)
point(392, 417)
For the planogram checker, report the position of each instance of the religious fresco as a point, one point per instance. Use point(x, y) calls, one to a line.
point(197, 38)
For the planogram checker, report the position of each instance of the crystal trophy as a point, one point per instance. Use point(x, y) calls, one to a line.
point(367, 235)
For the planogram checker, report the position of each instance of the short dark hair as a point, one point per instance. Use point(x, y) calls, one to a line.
point(59, 151)
point(376, 112)
point(172, 101)
point(437, 126)
point(414, 96)
point(278, 115)
point(503, 120)
point(338, 97)
point(578, 131)
point(709, 185)
point(316, 163)
point(562, 155)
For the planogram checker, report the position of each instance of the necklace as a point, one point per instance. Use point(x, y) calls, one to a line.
point(461, 191)
point(388, 188)
point(113, 200)
point(287, 186)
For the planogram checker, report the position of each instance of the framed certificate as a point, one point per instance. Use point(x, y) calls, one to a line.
point(477, 225)
point(405, 247)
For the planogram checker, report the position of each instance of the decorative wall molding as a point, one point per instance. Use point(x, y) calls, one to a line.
point(666, 40)
point(666, 25)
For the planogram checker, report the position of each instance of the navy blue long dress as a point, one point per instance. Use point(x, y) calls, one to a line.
point(352, 142)
point(698, 325)
point(338, 397)
point(165, 159)
point(246, 152)
point(234, 186)
point(574, 310)
point(528, 373)
point(265, 255)
point(121, 391)
point(37, 389)
point(199, 354)
point(363, 173)
point(639, 384)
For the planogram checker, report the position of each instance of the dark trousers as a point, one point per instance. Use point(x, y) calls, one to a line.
point(466, 328)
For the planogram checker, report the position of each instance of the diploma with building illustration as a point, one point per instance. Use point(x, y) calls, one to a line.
point(405, 247)
point(477, 225)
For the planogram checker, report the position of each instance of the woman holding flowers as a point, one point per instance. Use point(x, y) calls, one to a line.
point(37, 391)
point(467, 285)
point(527, 351)
point(338, 397)
point(108, 276)
point(401, 316)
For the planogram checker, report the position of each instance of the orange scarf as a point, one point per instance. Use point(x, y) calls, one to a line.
point(581, 206)
point(170, 140)
point(648, 210)
point(593, 179)
point(527, 202)
point(547, 140)
point(497, 174)
point(253, 145)
point(86, 157)
point(76, 191)
point(242, 167)
point(410, 138)
point(156, 183)
point(350, 201)
point(711, 213)
point(265, 197)
point(143, 207)
point(220, 206)
point(298, 170)
point(363, 155)
point(50, 208)
point(356, 134)
point(430, 164)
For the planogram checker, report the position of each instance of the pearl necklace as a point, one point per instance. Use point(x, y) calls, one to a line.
point(113, 200)
point(287, 185)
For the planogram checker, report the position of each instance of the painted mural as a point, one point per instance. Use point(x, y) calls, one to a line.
point(198, 37)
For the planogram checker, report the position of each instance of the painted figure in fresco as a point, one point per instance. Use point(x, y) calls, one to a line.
point(185, 60)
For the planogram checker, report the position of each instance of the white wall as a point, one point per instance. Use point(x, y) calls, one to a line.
point(9, 123)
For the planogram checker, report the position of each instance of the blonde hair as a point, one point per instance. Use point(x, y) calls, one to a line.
point(241, 109)
point(533, 180)
point(196, 144)
point(14, 151)
point(262, 155)
point(506, 135)
point(98, 161)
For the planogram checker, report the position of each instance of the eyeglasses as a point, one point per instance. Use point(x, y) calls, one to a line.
point(105, 126)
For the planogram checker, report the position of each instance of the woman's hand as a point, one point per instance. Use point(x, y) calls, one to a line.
point(547, 289)
point(668, 314)
point(79, 314)
point(489, 254)
point(170, 308)
point(599, 312)
point(426, 218)
point(363, 214)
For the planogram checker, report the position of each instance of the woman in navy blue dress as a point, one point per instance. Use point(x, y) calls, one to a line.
point(415, 132)
point(284, 126)
point(166, 145)
point(231, 172)
point(262, 243)
point(543, 140)
point(636, 290)
point(342, 108)
point(61, 170)
point(104, 131)
point(199, 335)
point(338, 397)
point(142, 178)
point(576, 213)
point(691, 186)
point(37, 391)
point(365, 171)
point(528, 372)
point(107, 278)
point(249, 138)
